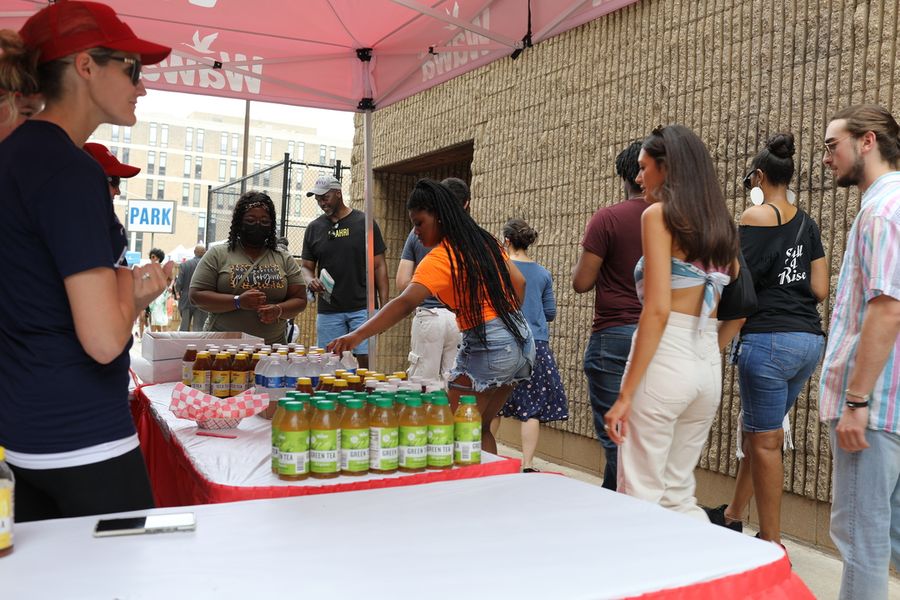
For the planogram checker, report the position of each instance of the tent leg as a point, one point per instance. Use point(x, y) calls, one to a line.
point(370, 231)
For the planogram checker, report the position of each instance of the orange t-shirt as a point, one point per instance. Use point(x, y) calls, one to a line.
point(434, 273)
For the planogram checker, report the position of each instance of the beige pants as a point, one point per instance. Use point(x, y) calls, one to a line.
point(671, 414)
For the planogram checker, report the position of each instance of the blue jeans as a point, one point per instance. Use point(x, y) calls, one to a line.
point(330, 326)
point(772, 370)
point(604, 363)
point(499, 361)
point(865, 513)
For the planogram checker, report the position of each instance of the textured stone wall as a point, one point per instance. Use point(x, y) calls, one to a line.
point(547, 127)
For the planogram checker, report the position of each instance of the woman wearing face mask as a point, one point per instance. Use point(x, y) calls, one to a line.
point(249, 284)
point(19, 97)
point(66, 331)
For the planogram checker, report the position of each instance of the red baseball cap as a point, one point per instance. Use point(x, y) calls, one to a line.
point(69, 26)
point(111, 165)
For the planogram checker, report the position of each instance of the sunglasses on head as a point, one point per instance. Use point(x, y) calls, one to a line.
point(114, 180)
point(134, 67)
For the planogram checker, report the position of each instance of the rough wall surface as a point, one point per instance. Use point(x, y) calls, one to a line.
point(547, 127)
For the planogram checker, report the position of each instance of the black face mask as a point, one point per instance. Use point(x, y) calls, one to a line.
point(253, 235)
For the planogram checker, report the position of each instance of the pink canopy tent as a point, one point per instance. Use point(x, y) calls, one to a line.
point(353, 55)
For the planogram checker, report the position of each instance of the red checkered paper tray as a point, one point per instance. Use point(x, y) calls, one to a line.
point(188, 403)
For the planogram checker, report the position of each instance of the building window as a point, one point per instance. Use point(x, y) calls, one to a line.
point(220, 200)
point(235, 142)
point(152, 140)
point(201, 227)
point(268, 148)
point(267, 177)
point(257, 146)
point(301, 150)
point(255, 174)
point(198, 167)
point(234, 169)
point(160, 190)
point(148, 193)
point(138, 242)
point(127, 131)
point(187, 166)
point(151, 162)
point(185, 193)
point(323, 152)
point(200, 134)
point(223, 143)
point(114, 134)
point(164, 135)
point(291, 148)
point(188, 138)
point(162, 163)
point(196, 195)
point(332, 155)
point(126, 152)
point(114, 150)
point(223, 164)
point(123, 189)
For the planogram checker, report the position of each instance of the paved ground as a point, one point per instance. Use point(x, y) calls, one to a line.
point(820, 571)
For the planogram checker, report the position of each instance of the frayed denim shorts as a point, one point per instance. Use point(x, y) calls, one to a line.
point(500, 360)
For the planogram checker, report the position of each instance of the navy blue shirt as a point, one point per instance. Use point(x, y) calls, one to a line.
point(415, 251)
point(58, 220)
point(540, 303)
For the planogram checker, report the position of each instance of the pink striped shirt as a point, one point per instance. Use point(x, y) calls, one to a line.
point(871, 268)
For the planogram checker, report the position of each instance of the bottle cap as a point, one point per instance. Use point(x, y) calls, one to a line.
point(413, 402)
point(353, 378)
point(467, 400)
point(340, 383)
point(284, 401)
point(192, 346)
point(304, 381)
point(383, 403)
point(303, 397)
point(292, 394)
point(257, 356)
point(293, 406)
point(354, 403)
point(325, 405)
point(440, 400)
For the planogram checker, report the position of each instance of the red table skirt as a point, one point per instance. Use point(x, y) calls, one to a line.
point(177, 483)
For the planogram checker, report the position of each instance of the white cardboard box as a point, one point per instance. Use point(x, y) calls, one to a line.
point(161, 351)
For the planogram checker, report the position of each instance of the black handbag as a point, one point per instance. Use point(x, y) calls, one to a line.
point(739, 297)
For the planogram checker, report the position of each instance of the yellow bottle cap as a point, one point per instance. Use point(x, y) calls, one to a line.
point(2, 453)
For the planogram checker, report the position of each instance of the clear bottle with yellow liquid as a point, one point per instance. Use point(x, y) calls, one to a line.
point(293, 443)
point(441, 424)
point(7, 493)
point(239, 380)
point(384, 436)
point(324, 460)
point(413, 456)
point(220, 376)
point(355, 439)
point(467, 432)
point(200, 373)
point(276, 424)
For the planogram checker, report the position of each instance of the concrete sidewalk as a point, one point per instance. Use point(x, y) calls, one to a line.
point(820, 571)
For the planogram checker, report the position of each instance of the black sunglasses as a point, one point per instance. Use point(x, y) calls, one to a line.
point(747, 183)
point(114, 180)
point(134, 67)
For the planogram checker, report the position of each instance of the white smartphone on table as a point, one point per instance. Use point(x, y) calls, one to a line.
point(147, 524)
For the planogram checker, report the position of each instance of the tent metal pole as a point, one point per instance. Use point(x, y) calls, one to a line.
point(370, 230)
point(246, 145)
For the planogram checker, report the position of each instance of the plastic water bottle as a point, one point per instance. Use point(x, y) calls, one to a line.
point(259, 377)
point(313, 369)
point(296, 369)
point(275, 377)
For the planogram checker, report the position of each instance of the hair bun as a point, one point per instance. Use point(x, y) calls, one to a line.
point(781, 145)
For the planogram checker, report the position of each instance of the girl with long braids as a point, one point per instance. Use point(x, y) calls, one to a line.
point(673, 379)
point(250, 284)
point(468, 271)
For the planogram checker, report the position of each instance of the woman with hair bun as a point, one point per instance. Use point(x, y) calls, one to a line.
point(542, 399)
point(66, 331)
point(781, 344)
point(19, 96)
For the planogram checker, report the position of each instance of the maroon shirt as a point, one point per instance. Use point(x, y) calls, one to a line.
point(614, 234)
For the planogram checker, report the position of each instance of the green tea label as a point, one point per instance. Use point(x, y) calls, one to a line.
point(383, 448)
point(323, 451)
point(413, 446)
point(275, 451)
point(355, 450)
point(467, 448)
point(221, 383)
point(6, 514)
point(440, 445)
point(293, 452)
point(187, 372)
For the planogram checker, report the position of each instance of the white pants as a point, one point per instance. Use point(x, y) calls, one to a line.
point(671, 414)
point(434, 343)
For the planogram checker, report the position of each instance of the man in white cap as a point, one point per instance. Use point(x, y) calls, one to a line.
point(336, 242)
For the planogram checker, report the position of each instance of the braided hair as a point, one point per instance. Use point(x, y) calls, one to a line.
point(247, 201)
point(477, 266)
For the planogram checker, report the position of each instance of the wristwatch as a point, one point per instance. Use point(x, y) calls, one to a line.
point(237, 302)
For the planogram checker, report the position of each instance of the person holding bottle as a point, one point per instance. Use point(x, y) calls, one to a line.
point(542, 399)
point(249, 284)
point(469, 272)
point(64, 417)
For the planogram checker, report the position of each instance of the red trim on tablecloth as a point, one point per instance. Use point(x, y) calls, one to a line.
point(775, 581)
point(177, 483)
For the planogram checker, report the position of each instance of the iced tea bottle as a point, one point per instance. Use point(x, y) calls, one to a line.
point(355, 383)
point(326, 383)
point(7, 493)
point(200, 373)
point(240, 374)
point(355, 439)
point(323, 448)
point(293, 443)
point(340, 386)
point(304, 384)
point(187, 364)
point(440, 433)
point(340, 373)
point(467, 432)
point(220, 376)
point(276, 424)
point(384, 435)
point(413, 437)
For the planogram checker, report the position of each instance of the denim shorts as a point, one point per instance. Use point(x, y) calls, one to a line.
point(772, 370)
point(501, 361)
point(330, 326)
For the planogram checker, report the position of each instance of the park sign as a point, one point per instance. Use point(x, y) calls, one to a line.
point(153, 216)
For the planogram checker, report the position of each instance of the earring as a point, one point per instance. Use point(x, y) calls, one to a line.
point(756, 196)
point(791, 197)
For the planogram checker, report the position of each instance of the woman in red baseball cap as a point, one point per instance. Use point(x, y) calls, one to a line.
point(66, 331)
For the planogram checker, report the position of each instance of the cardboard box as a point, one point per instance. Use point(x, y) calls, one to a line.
point(161, 351)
